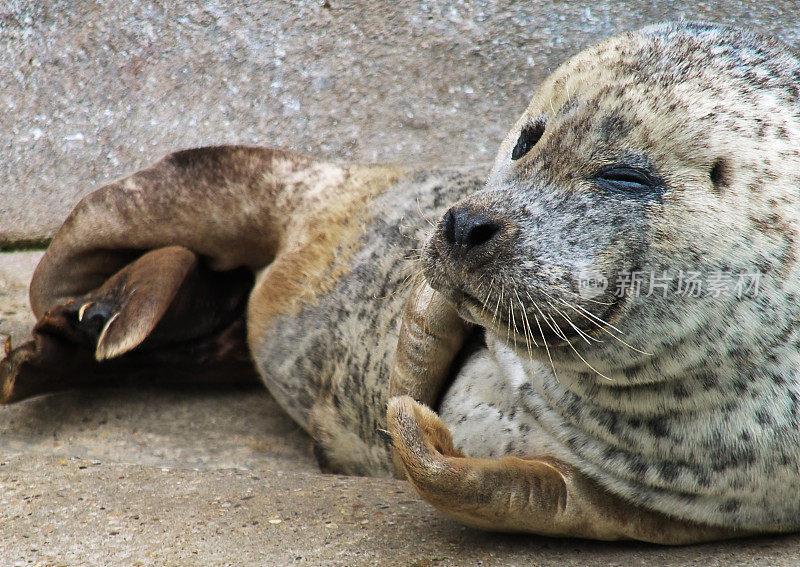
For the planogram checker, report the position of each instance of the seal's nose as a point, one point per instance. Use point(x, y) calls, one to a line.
point(467, 228)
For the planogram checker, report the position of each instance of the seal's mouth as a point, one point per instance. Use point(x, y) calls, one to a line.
point(528, 326)
point(528, 302)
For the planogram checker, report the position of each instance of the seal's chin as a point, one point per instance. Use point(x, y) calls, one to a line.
point(520, 330)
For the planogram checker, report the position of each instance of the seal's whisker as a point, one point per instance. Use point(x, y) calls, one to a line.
point(546, 348)
point(497, 307)
point(591, 315)
point(558, 333)
point(485, 302)
point(508, 319)
point(583, 335)
point(599, 322)
point(594, 320)
point(528, 336)
point(513, 320)
point(424, 217)
point(405, 228)
point(526, 326)
point(407, 281)
point(561, 334)
point(587, 364)
point(570, 292)
point(602, 326)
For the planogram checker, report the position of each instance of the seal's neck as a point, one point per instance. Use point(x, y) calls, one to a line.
point(684, 376)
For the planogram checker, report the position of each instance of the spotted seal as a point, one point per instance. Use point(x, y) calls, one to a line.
point(581, 357)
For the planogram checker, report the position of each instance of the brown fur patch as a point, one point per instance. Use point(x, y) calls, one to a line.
point(320, 241)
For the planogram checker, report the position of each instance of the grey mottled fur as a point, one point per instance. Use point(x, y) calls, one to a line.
point(704, 426)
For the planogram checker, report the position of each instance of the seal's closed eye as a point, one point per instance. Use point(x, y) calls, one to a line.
point(630, 180)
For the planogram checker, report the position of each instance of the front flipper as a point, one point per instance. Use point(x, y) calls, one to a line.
point(431, 335)
point(541, 496)
point(503, 495)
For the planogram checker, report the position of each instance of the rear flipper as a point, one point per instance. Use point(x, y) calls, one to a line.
point(164, 318)
point(148, 277)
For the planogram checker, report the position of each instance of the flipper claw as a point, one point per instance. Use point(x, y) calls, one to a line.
point(82, 310)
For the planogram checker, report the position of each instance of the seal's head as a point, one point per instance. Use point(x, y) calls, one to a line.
point(648, 193)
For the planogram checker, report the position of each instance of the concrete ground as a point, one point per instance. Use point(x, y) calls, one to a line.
point(224, 477)
point(92, 90)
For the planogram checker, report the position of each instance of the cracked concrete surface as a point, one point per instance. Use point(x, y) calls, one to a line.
point(92, 90)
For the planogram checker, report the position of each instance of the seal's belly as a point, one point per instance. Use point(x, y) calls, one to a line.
point(486, 408)
point(707, 465)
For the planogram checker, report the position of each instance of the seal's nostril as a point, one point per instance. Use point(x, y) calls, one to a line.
point(468, 229)
point(481, 234)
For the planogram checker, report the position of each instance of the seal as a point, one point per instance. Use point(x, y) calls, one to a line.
point(600, 341)
point(641, 164)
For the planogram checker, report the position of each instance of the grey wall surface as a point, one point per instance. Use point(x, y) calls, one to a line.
point(93, 90)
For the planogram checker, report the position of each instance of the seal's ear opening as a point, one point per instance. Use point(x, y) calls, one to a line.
point(720, 174)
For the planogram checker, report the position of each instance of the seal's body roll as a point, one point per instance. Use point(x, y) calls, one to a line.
point(577, 326)
point(325, 347)
point(215, 257)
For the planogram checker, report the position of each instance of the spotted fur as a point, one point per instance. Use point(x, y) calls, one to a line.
point(657, 416)
point(701, 418)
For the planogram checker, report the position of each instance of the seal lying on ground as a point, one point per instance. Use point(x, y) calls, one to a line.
point(582, 327)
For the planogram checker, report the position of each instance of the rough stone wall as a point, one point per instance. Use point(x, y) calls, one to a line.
point(92, 90)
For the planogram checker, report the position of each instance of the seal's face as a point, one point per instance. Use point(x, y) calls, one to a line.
point(635, 167)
